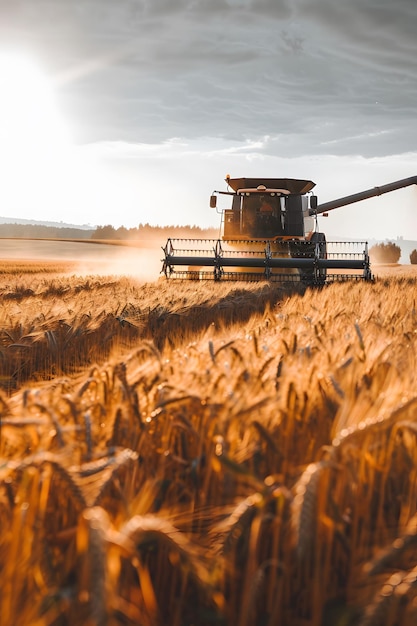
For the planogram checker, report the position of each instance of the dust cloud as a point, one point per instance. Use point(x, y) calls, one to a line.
point(142, 261)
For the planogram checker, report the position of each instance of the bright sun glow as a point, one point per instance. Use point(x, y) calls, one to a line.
point(28, 115)
point(35, 146)
point(44, 175)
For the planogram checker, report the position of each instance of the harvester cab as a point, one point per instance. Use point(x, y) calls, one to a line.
point(267, 208)
point(270, 232)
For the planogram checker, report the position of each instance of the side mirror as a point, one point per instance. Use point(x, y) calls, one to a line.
point(213, 202)
point(313, 202)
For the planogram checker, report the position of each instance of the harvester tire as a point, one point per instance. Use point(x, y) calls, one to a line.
point(308, 249)
point(322, 273)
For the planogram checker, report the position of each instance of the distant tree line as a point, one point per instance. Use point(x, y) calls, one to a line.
point(146, 231)
point(40, 231)
point(143, 231)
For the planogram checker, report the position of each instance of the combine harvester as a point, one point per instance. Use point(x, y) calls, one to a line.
point(271, 233)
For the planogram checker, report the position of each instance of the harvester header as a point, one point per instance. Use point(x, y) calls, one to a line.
point(270, 232)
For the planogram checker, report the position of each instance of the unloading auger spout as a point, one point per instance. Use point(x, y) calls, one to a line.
point(270, 232)
point(364, 195)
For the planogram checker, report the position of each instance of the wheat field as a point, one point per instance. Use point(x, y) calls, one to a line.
point(182, 453)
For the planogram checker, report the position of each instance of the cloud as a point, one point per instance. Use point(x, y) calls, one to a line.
point(311, 74)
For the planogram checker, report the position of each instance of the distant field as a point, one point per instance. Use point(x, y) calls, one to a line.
point(394, 270)
point(210, 454)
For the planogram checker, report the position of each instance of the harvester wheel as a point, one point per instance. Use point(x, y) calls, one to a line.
point(303, 249)
point(321, 274)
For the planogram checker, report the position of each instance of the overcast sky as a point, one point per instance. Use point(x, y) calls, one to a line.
point(146, 105)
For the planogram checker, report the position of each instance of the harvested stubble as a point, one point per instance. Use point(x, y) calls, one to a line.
point(260, 473)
